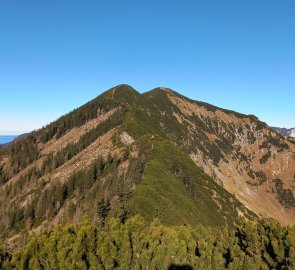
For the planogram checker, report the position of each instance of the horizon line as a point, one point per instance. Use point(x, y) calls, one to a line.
point(12, 132)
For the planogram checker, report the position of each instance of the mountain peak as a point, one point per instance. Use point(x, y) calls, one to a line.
point(159, 91)
point(185, 162)
point(124, 87)
point(122, 93)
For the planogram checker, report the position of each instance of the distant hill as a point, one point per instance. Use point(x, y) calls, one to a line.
point(285, 131)
point(157, 154)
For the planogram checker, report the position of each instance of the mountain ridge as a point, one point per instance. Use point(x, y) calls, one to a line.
point(290, 132)
point(156, 154)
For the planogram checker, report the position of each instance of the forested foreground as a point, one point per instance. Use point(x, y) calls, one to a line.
point(137, 245)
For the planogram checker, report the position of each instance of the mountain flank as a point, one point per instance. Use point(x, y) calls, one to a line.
point(157, 154)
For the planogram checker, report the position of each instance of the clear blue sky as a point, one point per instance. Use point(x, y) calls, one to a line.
point(57, 55)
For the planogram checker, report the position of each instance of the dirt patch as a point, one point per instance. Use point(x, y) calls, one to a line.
point(212, 137)
point(190, 109)
point(102, 147)
point(126, 138)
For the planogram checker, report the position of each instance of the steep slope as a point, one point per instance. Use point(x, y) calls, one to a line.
point(110, 157)
point(157, 154)
point(248, 158)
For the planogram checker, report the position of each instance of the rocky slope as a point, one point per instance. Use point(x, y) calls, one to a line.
point(244, 155)
point(156, 154)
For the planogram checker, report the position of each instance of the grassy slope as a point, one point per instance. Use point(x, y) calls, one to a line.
point(163, 194)
point(175, 198)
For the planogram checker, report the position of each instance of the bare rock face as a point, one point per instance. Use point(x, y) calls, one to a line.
point(126, 139)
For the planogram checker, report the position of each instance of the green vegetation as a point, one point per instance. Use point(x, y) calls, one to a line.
point(50, 200)
point(265, 158)
point(54, 161)
point(260, 125)
point(136, 244)
point(276, 142)
point(285, 196)
point(166, 180)
point(258, 178)
point(84, 191)
point(154, 177)
point(22, 153)
point(173, 184)
point(77, 118)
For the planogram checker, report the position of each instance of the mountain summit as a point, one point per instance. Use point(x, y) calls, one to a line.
point(157, 154)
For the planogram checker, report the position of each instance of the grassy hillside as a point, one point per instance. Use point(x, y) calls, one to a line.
point(176, 191)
